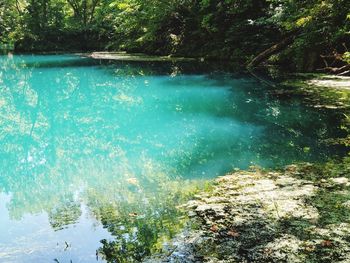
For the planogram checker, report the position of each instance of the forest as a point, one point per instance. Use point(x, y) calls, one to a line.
point(175, 131)
point(300, 35)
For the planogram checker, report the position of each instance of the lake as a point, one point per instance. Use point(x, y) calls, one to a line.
point(97, 154)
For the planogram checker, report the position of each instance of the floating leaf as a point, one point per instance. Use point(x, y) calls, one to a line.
point(326, 243)
point(214, 228)
point(233, 233)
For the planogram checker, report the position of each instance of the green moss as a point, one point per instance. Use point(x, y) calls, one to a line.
point(301, 84)
point(331, 208)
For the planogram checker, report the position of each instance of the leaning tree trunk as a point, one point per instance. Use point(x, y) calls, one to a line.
point(271, 51)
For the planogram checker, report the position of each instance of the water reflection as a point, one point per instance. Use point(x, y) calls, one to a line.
point(88, 147)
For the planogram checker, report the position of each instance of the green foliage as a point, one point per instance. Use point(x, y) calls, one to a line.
point(226, 29)
point(346, 57)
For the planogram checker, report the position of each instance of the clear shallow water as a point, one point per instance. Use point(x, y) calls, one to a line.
point(85, 145)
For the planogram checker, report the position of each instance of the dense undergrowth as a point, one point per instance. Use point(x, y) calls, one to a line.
point(231, 29)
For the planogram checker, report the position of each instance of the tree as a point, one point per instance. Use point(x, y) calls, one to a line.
point(221, 29)
point(10, 14)
point(84, 11)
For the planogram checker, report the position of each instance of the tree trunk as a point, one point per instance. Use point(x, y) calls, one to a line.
point(272, 50)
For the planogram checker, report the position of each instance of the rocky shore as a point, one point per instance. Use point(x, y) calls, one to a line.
point(257, 216)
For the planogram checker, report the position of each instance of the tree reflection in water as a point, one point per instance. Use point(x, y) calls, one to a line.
point(129, 142)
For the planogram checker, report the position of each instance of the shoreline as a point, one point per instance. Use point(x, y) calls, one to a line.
point(299, 214)
point(258, 216)
point(123, 56)
point(318, 80)
point(331, 81)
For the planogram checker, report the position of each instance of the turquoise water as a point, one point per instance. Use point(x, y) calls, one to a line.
point(80, 137)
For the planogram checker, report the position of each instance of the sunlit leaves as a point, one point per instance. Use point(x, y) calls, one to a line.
point(346, 57)
point(303, 21)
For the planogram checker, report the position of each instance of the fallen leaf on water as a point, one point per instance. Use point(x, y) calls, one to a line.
point(310, 248)
point(214, 228)
point(267, 251)
point(233, 233)
point(326, 243)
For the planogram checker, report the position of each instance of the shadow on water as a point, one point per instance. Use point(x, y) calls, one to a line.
point(128, 142)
